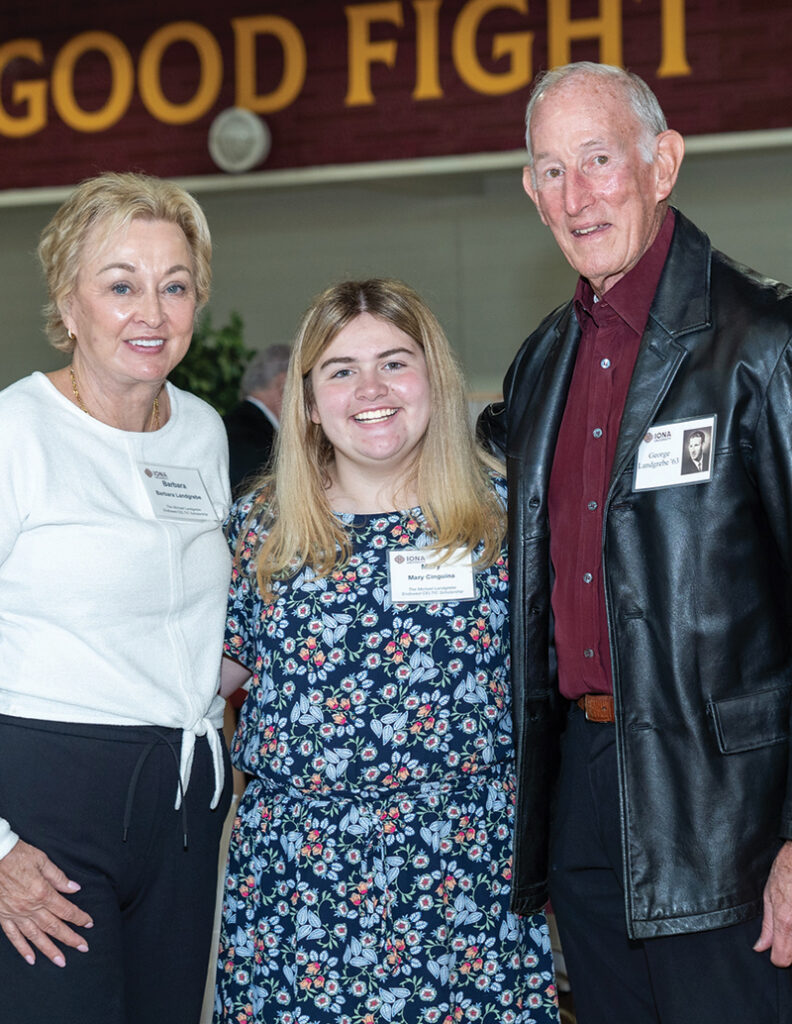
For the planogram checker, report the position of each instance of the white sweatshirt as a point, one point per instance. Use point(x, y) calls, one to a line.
point(108, 614)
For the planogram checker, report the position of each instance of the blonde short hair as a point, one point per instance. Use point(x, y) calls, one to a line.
point(112, 201)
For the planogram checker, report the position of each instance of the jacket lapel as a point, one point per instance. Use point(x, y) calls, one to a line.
point(681, 307)
point(534, 434)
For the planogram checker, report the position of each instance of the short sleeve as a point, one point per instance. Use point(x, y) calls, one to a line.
point(244, 599)
point(500, 488)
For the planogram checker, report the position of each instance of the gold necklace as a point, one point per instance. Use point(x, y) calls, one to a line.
point(78, 399)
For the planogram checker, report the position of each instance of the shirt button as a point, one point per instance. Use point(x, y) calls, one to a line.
point(605, 364)
point(592, 506)
point(588, 653)
point(587, 577)
point(596, 432)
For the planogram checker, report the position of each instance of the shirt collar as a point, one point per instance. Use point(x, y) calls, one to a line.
point(264, 408)
point(631, 297)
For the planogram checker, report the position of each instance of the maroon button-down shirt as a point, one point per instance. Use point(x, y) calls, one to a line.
point(611, 335)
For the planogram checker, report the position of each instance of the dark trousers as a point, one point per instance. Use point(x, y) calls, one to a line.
point(711, 977)
point(68, 790)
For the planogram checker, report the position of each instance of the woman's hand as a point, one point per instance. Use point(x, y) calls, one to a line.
point(32, 909)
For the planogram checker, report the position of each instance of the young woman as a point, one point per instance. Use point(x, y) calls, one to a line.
point(368, 876)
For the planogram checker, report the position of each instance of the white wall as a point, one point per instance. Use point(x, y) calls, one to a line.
point(471, 243)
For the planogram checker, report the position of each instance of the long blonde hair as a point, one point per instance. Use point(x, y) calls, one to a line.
point(452, 474)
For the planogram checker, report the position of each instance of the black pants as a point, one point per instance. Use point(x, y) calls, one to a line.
point(65, 789)
point(711, 977)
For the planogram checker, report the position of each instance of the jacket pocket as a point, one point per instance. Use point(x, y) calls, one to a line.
point(751, 721)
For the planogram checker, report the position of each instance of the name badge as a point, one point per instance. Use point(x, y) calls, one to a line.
point(415, 575)
point(177, 493)
point(672, 454)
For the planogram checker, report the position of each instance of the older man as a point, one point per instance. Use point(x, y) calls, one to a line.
point(652, 609)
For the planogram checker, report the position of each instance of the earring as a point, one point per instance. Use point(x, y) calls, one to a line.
point(70, 335)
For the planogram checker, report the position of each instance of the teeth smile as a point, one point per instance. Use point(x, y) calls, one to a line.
point(375, 415)
point(586, 231)
point(147, 342)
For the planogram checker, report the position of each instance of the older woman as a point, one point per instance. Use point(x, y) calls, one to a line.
point(368, 876)
point(113, 579)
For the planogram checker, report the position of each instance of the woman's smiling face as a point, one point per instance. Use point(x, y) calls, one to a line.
point(372, 397)
point(133, 308)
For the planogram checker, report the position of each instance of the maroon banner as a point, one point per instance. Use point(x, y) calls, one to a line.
point(86, 86)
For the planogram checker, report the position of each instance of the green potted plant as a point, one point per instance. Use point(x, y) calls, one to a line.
point(215, 362)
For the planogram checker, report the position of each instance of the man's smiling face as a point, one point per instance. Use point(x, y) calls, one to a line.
point(591, 181)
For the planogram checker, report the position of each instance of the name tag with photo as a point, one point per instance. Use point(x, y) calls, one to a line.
point(673, 454)
point(417, 575)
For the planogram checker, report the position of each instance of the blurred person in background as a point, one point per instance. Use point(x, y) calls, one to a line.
point(253, 424)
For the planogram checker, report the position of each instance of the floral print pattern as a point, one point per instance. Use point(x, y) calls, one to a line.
point(369, 868)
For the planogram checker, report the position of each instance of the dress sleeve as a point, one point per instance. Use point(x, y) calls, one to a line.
point(243, 593)
point(500, 488)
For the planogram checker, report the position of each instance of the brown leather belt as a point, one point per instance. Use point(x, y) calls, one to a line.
point(598, 707)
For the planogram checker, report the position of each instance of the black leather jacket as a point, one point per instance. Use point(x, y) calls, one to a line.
point(698, 596)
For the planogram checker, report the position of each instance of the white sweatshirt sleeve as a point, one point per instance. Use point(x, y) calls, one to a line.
point(10, 525)
point(8, 839)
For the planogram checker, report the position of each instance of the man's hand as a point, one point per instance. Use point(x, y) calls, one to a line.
point(32, 909)
point(776, 932)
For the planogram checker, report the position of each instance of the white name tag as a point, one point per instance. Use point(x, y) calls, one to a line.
point(177, 493)
point(415, 575)
point(677, 453)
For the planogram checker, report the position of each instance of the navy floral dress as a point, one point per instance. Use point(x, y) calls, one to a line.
point(369, 867)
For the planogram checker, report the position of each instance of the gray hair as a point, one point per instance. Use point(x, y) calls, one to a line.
point(263, 368)
point(642, 100)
